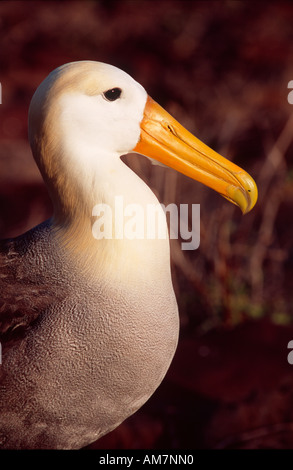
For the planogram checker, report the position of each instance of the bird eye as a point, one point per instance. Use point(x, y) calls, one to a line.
point(113, 94)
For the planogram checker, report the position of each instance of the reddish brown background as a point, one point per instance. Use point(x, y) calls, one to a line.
point(221, 68)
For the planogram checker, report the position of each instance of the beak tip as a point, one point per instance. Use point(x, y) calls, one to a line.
point(244, 195)
point(252, 194)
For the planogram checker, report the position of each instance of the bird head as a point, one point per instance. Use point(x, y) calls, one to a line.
point(94, 109)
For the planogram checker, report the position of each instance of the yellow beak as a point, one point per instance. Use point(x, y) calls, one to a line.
point(165, 140)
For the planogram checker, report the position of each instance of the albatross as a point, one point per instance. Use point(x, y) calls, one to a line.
point(89, 325)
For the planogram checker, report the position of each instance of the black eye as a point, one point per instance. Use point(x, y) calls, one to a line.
point(113, 94)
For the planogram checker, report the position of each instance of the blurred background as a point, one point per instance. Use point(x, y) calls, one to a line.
point(222, 68)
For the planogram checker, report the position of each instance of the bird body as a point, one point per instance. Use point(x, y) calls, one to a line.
point(90, 325)
point(88, 357)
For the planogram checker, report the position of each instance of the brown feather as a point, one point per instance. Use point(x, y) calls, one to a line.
point(23, 293)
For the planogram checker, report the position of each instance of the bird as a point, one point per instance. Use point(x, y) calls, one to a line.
point(89, 324)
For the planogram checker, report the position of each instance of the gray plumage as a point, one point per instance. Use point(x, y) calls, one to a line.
point(79, 359)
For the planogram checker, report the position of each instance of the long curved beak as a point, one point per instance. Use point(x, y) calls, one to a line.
point(165, 140)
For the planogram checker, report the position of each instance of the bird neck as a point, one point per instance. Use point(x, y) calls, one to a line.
point(115, 226)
